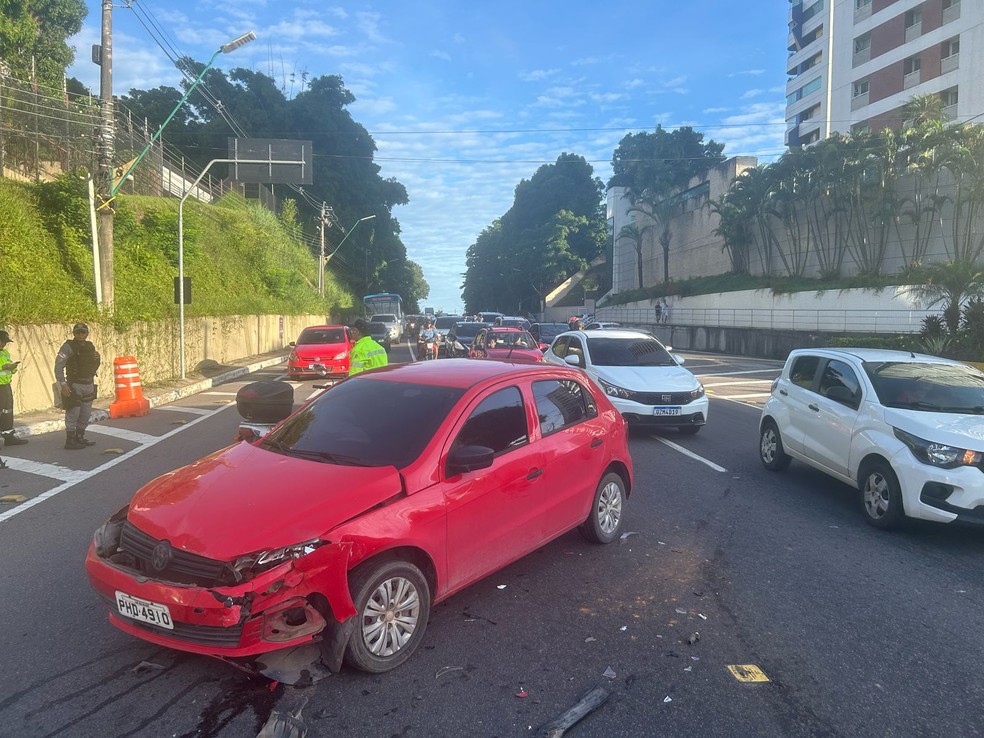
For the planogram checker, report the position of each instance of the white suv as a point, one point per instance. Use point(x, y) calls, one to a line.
point(905, 429)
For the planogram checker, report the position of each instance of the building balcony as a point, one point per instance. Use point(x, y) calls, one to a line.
point(913, 32)
point(911, 79)
point(950, 112)
point(861, 13)
point(861, 57)
point(952, 13)
point(950, 63)
point(859, 101)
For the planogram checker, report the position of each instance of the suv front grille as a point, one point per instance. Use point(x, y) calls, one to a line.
point(662, 398)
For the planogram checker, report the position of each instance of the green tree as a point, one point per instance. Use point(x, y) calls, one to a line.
point(950, 284)
point(37, 31)
point(637, 236)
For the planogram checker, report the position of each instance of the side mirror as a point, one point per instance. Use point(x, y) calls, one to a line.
point(573, 360)
point(292, 343)
point(678, 359)
point(469, 458)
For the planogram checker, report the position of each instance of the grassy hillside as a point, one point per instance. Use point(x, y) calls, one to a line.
point(238, 255)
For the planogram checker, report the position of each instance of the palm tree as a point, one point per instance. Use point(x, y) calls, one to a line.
point(637, 235)
point(950, 284)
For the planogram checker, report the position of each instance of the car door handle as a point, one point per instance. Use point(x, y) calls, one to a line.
point(783, 393)
point(814, 408)
point(534, 473)
point(596, 443)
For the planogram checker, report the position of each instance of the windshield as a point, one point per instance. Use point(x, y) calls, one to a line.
point(365, 422)
point(930, 387)
point(383, 318)
point(628, 352)
point(511, 340)
point(549, 331)
point(445, 322)
point(321, 335)
point(468, 330)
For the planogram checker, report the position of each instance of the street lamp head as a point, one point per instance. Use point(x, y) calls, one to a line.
point(368, 217)
point(237, 42)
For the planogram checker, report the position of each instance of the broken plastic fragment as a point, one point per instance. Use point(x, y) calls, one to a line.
point(522, 693)
point(702, 616)
point(446, 669)
point(146, 666)
point(681, 611)
point(627, 534)
point(609, 673)
point(113, 451)
point(624, 628)
point(590, 639)
point(694, 637)
point(667, 699)
point(689, 668)
point(12, 498)
point(500, 586)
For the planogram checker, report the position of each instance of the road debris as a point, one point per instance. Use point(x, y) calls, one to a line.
point(590, 639)
point(522, 694)
point(694, 637)
point(749, 673)
point(12, 499)
point(500, 586)
point(609, 673)
point(702, 616)
point(681, 611)
point(300, 666)
point(147, 666)
point(114, 451)
point(624, 628)
point(626, 535)
point(285, 724)
point(667, 699)
point(590, 702)
point(689, 668)
point(447, 670)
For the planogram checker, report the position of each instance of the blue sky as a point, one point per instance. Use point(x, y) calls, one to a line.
point(465, 99)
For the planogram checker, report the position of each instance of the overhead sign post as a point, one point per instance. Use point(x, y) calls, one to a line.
point(267, 167)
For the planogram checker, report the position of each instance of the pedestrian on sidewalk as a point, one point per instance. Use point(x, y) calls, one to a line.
point(666, 311)
point(75, 369)
point(8, 367)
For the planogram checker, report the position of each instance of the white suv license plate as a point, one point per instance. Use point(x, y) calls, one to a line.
point(666, 410)
point(144, 611)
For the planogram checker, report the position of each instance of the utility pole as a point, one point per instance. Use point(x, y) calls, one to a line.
point(107, 135)
point(321, 261)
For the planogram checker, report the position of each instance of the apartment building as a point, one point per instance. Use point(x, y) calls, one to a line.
point(853, 64)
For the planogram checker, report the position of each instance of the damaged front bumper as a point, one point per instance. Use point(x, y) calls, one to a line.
point(298, 601)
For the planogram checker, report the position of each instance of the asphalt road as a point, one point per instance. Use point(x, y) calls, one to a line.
point(859, 632)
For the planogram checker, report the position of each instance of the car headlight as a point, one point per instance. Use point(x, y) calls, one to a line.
point(938, 454)
point(248, 566)
point(340, 355)
point(614, 390)
point(293, 356)
point(697, 393)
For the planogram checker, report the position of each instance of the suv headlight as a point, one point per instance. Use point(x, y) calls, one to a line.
point(697, 393)
point(614, 390)
point(938, 454)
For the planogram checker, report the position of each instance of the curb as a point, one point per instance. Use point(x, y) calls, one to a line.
point(50, 426)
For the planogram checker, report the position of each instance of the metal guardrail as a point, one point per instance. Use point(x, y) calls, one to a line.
point(791, 319)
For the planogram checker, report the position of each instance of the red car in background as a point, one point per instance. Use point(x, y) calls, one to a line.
point(320, 344)
point(506, 344)
point(342, 529)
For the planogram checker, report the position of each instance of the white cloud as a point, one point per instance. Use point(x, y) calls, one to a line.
point(537, 75)
point(442, 55)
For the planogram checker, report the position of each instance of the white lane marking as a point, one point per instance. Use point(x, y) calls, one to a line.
point(53, 471)
point(691, 454)
point(180, 409)
point(123, 433)
point(777, 370)
point(747, 396)
point(111, 463)
point(223, 394)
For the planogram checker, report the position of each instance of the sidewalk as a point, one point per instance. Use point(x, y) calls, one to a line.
point(208, 375)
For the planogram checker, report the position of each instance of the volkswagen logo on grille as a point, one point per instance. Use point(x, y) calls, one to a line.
point(666, 398)
point(160, 557)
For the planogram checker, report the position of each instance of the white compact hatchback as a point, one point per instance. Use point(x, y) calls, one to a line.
point(640, 376)
point(905, 429)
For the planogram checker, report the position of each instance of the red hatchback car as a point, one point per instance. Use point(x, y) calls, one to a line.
point(506, 344)
point(320, 344)
point(344, 528)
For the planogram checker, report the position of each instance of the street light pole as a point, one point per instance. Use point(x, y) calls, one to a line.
point(368, 217)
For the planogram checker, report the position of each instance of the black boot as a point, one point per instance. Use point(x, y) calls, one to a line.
point(9, 439)
point(80, 435)
point(72, 441)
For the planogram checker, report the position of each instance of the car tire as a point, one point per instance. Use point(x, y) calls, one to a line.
point(689, 430)
point(392, 601)
point(605, 521)
point(881, 495)
point(771, 451)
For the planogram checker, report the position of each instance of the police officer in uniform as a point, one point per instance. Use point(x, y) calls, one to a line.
point(8, 367)
point(366, 353)
point(75, 369)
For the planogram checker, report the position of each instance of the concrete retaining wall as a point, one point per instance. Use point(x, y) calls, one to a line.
point(155, 345)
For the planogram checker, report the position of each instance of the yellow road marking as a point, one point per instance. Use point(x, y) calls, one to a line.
point(747, 673)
